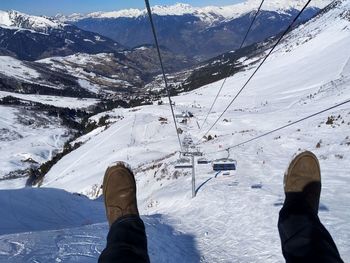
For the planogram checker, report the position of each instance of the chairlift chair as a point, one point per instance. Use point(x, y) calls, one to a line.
point(202, 161)
point(224, 165)
point(183, 163)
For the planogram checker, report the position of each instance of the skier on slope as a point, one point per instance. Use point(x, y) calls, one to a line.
point(303, 237)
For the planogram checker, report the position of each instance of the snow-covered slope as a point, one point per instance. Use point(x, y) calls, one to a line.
point(83, 66)
point(208, 14)
point(17, 19)
point(46, 209)
point(27, 138)
point(12, 67)
point(27, 77)
point(61, 227)
point(118, 73)
point(57, 101)
point(234, 217)
point(31, 129)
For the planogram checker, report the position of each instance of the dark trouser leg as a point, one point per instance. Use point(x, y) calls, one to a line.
point(303, 237)
point(126, 242)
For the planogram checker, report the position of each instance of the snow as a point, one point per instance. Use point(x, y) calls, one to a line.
point(27, 135)
point(81, 229)
point(89, 136)
point(113, 14)
point(98, 38)
point(19, 20)
point(209, 14)
point(13, 184)
point(15, 68)
point(5, 19)
point(78, 58)
point(35, 210)
point(12, 67)
point(231, 219)
point(142, 48)
point(89, 86)
point(89, 40)
point(72, 63)
point(57, 101)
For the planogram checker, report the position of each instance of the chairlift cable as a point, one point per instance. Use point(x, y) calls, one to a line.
point(257, 69)
point(231, 68)
point(162, 67)
point(283, 127)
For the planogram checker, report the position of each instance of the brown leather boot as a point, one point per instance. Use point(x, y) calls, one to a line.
point(302, 180)
point(119, 191)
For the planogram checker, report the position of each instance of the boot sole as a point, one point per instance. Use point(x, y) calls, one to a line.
point(118, 165)
point(302, 183)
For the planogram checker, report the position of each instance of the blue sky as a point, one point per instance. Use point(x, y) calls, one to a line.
point(51, 7)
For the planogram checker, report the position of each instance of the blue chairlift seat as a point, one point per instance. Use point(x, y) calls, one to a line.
point(225, 165)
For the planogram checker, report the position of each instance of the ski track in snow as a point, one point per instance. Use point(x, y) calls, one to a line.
point(234, 217)
point(84, 244)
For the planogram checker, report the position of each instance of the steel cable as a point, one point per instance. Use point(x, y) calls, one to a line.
point(257, 69)
point(283, 127)
point(162, 67)
point(231, 68)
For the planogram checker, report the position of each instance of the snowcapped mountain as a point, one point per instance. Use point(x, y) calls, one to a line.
point(209, 14)
point(18, 20)
point(196, 32)
point(31, 37)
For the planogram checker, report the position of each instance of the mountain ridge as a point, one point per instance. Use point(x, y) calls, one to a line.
point(30, 38)
point(191, 35)
point(208, 14)
point(19, 20)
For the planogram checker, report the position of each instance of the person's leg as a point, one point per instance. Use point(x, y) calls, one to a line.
point(303, 237)
point(126, 241)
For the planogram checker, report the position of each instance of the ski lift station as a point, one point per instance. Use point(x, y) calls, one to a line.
point(225, 165)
